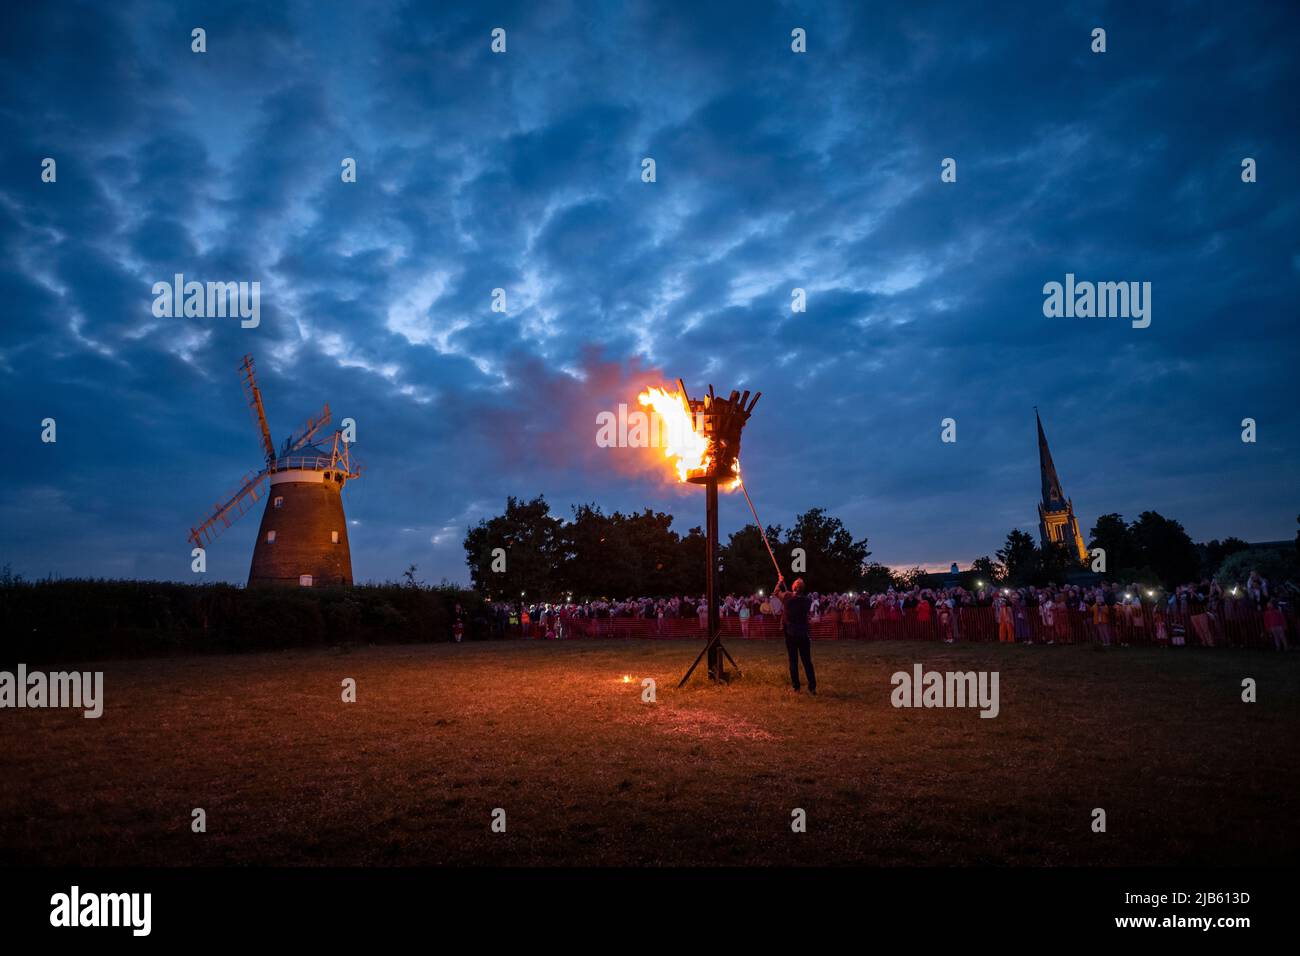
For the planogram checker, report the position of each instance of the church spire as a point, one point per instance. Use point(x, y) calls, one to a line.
point(1053, 496)
point(1057, 524)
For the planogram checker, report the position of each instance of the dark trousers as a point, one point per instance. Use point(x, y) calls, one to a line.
point(796, 648)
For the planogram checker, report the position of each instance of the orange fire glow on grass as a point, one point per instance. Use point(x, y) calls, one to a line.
point(686, 448)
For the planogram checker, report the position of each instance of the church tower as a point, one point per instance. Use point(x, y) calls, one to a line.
point(1056, 521)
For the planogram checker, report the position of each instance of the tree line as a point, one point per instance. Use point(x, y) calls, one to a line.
point(528, 553)
point(1151, 550)
point(531, 554)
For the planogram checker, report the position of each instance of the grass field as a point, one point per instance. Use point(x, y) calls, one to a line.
point(588, 774)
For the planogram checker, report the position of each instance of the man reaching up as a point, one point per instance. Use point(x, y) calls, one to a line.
point(798, 641)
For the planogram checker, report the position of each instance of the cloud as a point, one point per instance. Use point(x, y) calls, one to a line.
point(522, 172)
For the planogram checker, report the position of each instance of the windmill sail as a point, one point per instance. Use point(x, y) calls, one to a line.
point(229, 509)
point(306, 433)
point(254, 395)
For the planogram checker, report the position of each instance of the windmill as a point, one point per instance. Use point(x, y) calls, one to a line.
point(303, 539)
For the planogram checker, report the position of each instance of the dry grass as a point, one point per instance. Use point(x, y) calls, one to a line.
point(588, 774)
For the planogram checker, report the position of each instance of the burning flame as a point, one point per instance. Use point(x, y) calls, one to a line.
point(679, 438)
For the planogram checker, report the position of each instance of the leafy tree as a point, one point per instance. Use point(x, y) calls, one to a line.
point(1020, 557)
point(586, 546)
point(1214, 552)
point(690, 562)
point(910, 578)
point(1055, 562)
point(1111, 533)
point(835, 559)
point(746, 565)
point(619, 555)
point(1149, 549)
point(623, 555)
point(649, 536)
point(1277, 565)
point(877, 578)
point(1164, 547)
point(529, 534)
point(988, 570)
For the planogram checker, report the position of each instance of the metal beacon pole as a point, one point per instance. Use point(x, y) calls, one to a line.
point(721, 421)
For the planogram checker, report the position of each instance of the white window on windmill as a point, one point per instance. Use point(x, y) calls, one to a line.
point(334, 537)
point(279, 501)
point(270, 537)
point(304, 580)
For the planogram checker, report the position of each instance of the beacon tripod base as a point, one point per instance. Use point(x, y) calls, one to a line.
point(715, 652)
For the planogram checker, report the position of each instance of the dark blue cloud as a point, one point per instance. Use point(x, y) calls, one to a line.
point(522, 172)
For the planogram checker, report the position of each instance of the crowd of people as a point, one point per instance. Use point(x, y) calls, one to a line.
point(1107, 613)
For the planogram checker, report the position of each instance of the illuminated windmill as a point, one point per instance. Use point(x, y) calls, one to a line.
point(303, 539)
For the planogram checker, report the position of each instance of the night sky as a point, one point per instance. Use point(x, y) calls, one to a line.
point(522, 171)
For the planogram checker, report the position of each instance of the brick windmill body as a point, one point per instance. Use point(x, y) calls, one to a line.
point(303, 538)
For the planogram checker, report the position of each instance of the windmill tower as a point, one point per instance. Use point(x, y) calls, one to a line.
point(303, 539)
